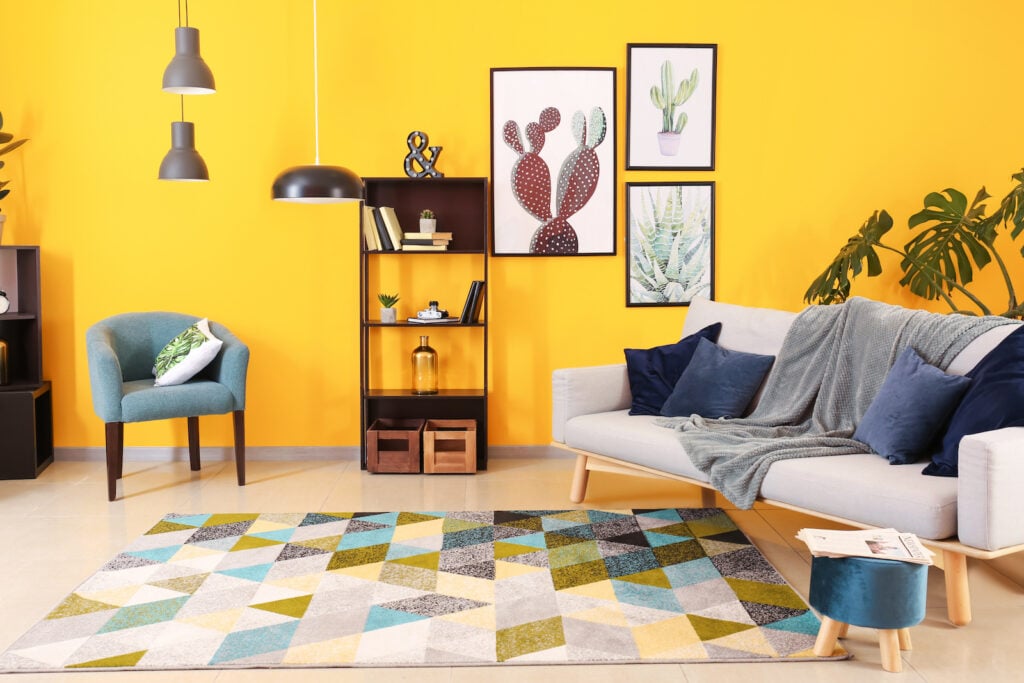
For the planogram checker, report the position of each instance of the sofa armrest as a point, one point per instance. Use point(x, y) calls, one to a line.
point(581, 391)
point(989, 501)
point(105, 379)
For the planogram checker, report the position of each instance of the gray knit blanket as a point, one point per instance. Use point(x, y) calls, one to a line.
point(831, 364)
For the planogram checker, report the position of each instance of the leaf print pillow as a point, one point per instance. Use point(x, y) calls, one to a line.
point(185, 355)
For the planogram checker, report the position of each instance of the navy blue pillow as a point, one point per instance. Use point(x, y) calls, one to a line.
point(994, 400)
point(654, 372)
point(910, 409)
point(717, 382)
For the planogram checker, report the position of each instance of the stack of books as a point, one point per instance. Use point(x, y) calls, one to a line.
point(425, 241)
point(383, 232)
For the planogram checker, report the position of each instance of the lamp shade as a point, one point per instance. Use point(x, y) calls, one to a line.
point(317, 184)
point(187, 74)
point(182, 161)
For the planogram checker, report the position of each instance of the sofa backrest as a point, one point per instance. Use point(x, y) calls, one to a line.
point(744, 328)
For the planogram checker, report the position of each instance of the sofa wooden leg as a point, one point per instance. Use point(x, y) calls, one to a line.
point(707, 497)
point(958, 592)
point(193, 443)
point(114, 432)
point(580, 478)
point(238, 418)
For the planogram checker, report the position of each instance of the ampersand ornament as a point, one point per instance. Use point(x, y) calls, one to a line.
point(418, 142)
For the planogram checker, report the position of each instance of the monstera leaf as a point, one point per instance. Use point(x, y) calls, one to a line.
point(1011, 209)
point(959, 240)
point(833, 285)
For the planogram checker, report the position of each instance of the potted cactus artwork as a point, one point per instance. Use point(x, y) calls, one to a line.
point(577, 177)
point(668, 98)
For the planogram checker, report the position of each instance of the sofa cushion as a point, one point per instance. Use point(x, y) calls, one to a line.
point(864, 488)
point(744, 328)
point(995, 399)
point(717, 382)
point(634, 438)
point(910, 409)
point(653, 372)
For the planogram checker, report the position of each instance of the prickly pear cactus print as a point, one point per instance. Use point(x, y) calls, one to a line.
point(577, 177)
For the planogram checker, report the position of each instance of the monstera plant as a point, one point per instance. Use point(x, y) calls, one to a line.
point(669, 248)
point(954, 238)
point(6, 145)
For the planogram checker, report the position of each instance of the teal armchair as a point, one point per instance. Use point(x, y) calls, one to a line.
point(121, 351)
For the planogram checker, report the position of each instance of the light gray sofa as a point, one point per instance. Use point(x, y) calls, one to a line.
point(978, 514)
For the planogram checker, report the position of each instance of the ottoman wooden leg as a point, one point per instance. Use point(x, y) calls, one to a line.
point(889, 642)
point(827, 634)
point(844, 630)
point(905, 639)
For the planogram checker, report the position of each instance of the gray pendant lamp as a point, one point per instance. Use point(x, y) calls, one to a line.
point(182, 161)
point(187, 74)
point(317, 184)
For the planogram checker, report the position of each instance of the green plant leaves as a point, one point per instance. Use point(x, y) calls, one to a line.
point(833, 285)
point(958, 240)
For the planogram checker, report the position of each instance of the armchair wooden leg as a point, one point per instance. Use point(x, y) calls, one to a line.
point(239, 420)
point(115, 456)
point(193, 443)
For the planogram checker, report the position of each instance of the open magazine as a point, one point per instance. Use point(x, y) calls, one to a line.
point(884, 544)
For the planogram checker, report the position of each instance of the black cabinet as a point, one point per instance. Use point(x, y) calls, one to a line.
point(26, 407)
point(461, 206)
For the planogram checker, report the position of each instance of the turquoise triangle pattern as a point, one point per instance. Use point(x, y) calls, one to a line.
point(382, 617)
point(246, 644)
point(364, 539)
point(134, 616)
point(156, 554)
point(256, 572)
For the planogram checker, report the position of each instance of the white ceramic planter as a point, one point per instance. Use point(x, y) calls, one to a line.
point(428, 225)
point(668, 144)
point(388, 315)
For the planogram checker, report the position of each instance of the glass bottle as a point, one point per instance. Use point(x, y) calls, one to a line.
point(424, 368)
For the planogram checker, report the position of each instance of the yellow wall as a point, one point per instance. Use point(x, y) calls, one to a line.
point(826, 111)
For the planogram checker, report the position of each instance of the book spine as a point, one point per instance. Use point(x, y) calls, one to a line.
point(370, 230)
point(394, 228)
point(478, 301)
point(382, 231)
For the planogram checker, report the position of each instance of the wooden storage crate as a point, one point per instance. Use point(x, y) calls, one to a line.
point(449, 447)
point(393, 445)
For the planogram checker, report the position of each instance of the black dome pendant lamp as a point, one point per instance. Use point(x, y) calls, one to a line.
point(317, 184)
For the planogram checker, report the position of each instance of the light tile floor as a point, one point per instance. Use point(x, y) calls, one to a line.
point(58, 529)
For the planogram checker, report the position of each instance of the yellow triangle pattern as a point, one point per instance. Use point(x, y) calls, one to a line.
point(75, 604)
point(337, 651)
point(289, 607)
point(249, 542)
point(127, 659)
point(602, 590)
point(506, 570)
point(328, 543)
point(654, 640)
point(183, 584)
point(223, 621)
point(434, 527)
point(428, 560)
point(230, 518)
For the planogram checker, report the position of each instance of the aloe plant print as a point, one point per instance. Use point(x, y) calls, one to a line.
point(178, 349)
point(670, 242)
point(577, 177)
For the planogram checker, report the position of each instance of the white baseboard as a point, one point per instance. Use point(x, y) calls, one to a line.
point(227, 453)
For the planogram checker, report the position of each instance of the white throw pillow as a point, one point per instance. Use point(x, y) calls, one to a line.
point(185, 355)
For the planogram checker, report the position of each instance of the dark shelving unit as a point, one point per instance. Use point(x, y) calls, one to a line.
point(463, 203)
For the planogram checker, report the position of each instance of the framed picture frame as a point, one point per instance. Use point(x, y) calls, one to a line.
point(670, 106)
point(670, 245)
point(553, 161)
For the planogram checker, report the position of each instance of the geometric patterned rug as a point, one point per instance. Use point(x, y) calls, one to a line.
point(426, 589)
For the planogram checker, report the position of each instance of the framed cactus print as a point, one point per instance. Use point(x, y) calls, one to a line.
point(670, 106)
point(553, 161)
point(670, 245)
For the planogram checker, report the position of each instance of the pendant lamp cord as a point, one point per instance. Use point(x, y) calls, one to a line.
point(179, 13)
point(316, 94)
point(182, 107)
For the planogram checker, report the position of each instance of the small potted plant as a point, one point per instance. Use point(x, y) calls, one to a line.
point(388, 314)
point(6, 145)
point(428, 221)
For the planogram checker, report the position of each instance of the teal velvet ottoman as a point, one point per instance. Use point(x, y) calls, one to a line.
point(888, 595)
